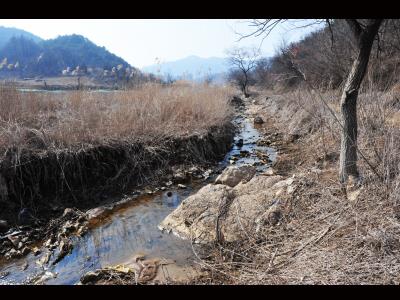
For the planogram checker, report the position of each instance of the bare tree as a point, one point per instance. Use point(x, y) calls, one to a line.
point(243, 61)
point(364, 32)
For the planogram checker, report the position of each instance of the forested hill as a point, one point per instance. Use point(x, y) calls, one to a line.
point(7, 33)
point(24, 55)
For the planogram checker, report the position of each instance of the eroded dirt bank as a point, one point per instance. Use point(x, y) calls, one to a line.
point(36, 187)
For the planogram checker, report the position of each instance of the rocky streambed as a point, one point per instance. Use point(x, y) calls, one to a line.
point(124, 238)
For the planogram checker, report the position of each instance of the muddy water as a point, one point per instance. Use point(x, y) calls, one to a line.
point(131, 230)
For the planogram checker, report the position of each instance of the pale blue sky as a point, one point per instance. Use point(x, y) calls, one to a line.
point(140, 42)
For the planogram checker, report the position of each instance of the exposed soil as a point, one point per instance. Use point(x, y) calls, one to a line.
point(44, 184)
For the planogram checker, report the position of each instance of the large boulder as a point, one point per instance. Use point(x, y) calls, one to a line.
point(233, 175)
point(195, 217)
point(222, 213)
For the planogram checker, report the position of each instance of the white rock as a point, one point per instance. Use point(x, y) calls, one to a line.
point(233, 175)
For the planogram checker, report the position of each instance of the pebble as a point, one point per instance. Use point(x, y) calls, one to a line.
point(181, 186)
point(25, 251)
point(36, 251)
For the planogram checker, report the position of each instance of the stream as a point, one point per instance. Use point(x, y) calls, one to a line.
point(134, 229)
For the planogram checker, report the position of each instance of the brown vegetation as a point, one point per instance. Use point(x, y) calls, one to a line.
point(327, 235)
point(76, 118)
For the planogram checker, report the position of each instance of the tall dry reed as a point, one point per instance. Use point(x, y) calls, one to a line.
point(75, 118)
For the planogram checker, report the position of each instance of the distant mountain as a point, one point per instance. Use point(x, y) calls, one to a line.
point(6, 33)
point(192, 67)
point(25, 56)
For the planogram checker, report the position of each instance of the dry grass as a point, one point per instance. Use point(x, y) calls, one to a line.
point(76, 118)
point(327, 236)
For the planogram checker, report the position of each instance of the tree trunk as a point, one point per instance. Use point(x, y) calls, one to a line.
point(348, 103)
point(246, 95)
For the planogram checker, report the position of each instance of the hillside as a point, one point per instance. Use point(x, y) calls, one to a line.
point(6, 33)
point(191, 67)
point(23, 56)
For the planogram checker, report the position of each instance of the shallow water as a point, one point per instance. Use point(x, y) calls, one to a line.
point(250, 135)
point(131, 230)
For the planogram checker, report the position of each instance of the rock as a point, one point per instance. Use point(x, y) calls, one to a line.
point(180, 177)
point(25, 251)
point(68, 213)
point(262, 155)
point(269, 172)
point(81, 219)
point(15, 240)
point(44, 259)
point(197, 215)
point(263, 142)
point(181, 186)
point(69, 227)
point(96, 213)
point(231, 176)
point(49, 242)
point(82, 230)
point(244, 153)
point(169, 183)
point(163, 188)
point(13, 254)
point(258, 120)
point(238, 210)
point(239, 143)
point(46, 276)
point(91, 277)
point(207, 174)
point(65, 248)
point(36, 251)
point(195, 172)
point(236, 101)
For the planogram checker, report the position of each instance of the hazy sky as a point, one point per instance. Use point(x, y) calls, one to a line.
point(140, 42)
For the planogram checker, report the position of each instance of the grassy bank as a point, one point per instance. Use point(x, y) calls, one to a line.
point(68, 148)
